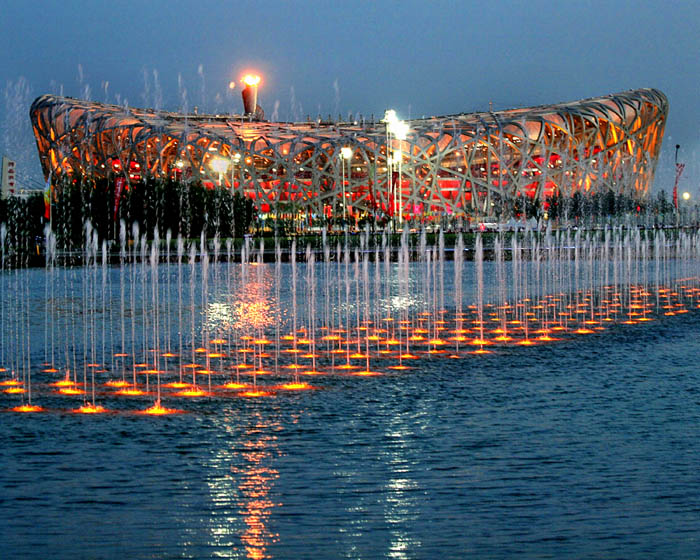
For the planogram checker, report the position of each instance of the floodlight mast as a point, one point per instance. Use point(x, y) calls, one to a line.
point(219, 165)
point(345, 155)
point(397, 129)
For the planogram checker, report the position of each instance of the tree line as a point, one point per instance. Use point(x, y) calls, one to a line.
point(187, 209)
point(190, 209)
point(584, 207)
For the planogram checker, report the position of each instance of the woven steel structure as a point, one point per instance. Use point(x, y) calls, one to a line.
point(463, 164)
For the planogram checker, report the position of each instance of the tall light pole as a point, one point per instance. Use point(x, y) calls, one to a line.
point(686, 206)
point(397, 185)
point(398, 129)
point(219, 165)
point(235, 158)
point(345, 155)
point(389, 119)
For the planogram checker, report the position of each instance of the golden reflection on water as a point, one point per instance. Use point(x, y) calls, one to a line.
point(249, 308)
point(256, 479)
point(244, 495)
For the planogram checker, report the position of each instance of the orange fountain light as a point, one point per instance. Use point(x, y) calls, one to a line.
point(436, 342)
point(158, 410)
point(177, 385)
point(10, 382)
point(90, 409)
point(28, 408)
point(480, 342)
point(234, 385)
point(130, 392)
point(111, 383)
point(331, 337)
point(526, 342)
point(255, 393)
point(547, 338)
point(297, 386)
point(191, 392)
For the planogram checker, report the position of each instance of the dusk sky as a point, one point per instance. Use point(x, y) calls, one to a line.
point(420, 58)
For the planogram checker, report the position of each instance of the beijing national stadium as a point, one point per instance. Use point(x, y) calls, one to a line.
point(462, 165)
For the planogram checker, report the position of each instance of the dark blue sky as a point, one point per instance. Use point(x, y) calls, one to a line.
point(421, 58)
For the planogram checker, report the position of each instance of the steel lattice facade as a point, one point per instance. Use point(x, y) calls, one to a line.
point(459, 165)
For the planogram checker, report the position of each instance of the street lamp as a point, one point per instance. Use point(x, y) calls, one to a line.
point(345, 155)
point(686, 206)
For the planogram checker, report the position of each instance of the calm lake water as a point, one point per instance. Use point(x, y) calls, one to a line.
point(583, 448)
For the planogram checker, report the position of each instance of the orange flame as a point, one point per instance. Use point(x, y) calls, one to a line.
point(251, 79)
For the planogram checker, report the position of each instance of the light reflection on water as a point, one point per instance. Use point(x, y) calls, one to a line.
point(256, 479)
point(249, 308)
point(244, 491)
point(253, 305)
point(401, 502)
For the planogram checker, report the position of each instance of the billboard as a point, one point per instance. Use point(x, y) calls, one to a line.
point(8, 177)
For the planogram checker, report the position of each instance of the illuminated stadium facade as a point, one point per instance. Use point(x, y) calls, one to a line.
point(458, 165)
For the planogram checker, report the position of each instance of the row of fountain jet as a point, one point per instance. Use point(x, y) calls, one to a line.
point(176, 318)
